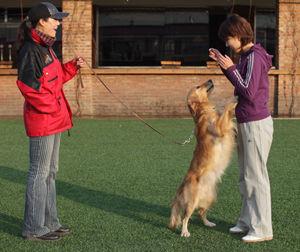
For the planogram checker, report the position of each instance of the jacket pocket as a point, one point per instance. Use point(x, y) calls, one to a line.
point(53, 79)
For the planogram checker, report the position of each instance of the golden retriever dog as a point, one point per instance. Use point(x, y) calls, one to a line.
point(215, 135)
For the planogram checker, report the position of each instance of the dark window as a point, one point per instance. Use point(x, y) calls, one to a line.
point(146, 37)
point(9, 23)
point(216, 16)
point(10, 20)
point(266, 31)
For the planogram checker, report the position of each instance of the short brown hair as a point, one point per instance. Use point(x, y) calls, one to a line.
point(236, 26)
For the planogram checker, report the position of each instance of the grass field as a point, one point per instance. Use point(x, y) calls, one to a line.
point(116, 182)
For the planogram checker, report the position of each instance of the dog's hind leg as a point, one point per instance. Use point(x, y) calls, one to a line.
point(187, 215)
point(202, 213)
point(175, 219)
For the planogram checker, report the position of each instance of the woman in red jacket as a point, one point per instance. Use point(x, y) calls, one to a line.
point(46, 114)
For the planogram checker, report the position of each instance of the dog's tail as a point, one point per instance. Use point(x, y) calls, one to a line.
point(175, 219)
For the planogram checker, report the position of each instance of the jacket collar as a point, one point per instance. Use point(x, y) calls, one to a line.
point(41, 38)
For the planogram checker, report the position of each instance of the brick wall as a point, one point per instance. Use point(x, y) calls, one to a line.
point(147, 94)
point(289, 57)
point(77, 41)
point(77, 29)
point(11, 100)
point(155, 91)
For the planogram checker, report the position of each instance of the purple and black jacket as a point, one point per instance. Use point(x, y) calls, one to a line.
point(251, 84)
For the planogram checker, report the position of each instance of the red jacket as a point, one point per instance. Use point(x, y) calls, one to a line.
point(40, 79)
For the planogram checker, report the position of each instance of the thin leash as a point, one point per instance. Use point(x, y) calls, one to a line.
point(188, 140)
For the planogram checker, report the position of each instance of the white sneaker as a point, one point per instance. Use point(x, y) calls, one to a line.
point(237, 230)
point(252, 238)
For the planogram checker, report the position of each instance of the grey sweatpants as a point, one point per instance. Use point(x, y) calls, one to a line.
point(254, 143)
point(40, 215)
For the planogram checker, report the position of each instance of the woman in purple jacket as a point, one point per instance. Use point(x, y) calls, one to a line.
point(255, 126)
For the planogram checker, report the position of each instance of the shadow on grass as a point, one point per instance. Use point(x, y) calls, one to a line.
point(221, 226)
point(120, 205)
point(10, 224)
point(117, 204)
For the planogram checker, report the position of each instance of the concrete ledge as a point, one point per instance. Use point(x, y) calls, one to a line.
point(169, 71)
point(5, 71)
point(156, 70)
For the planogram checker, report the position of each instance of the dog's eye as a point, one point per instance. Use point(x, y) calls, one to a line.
point(197, 87)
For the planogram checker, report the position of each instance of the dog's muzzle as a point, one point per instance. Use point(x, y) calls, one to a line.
point(209, 85)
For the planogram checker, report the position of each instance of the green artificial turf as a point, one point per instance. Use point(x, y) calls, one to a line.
point(117, 178)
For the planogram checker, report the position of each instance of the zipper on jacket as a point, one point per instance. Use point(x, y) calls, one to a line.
point(53, 79)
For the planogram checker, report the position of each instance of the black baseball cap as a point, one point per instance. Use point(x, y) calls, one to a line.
point(45, 10)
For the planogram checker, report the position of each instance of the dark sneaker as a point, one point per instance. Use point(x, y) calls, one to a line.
point(46, 237)
point(62, 231)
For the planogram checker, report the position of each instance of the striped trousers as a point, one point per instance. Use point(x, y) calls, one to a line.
point(254, 143)
point(40, 215)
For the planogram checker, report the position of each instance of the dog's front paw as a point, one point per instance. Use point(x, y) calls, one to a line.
point(230, 107)
point(185, 233)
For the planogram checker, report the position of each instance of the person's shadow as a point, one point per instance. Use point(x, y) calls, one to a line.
point(10, 224)
point(108, 202)
point(117, 204)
